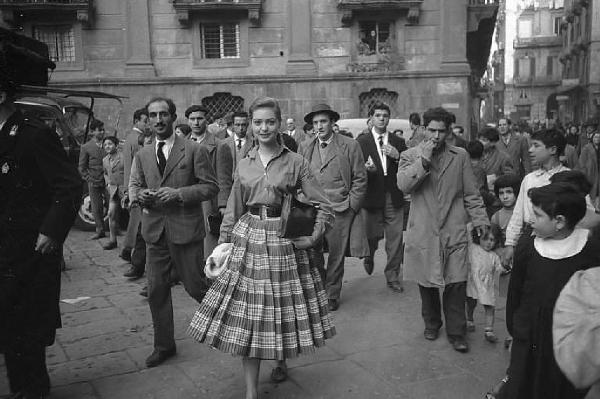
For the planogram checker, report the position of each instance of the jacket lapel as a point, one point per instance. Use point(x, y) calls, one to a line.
point(148, 157)
point(374, 153)
point(449, 156)
point(176, 155)
point(331, 153)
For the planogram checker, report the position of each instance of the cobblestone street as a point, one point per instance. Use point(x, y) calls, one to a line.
point(379, 351)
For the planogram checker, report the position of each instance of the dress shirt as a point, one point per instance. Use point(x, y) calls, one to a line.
point(230, 133)
point(382, 155)
point(167, 147)
point(291, 133)
point(235, 141)
point(197, 139)
point(523, 211)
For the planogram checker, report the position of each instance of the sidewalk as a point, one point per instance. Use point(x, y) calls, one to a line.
point(379, 351)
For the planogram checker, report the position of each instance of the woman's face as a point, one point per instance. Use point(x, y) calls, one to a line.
point(109, 146)
point(265, 125)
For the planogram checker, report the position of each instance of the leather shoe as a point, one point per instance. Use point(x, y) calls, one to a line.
point(459, 344)
point(144, 291)
point(395, 286)
point(430, 334)
point(98, 236)
point(133, 273)
point(125, 254)
point(157, 357)
point(368, 265)
point(334, 304)
point(109, 245)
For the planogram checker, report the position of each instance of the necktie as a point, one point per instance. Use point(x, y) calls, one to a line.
point(162, 161)
point(381, 142)
point(239, 144)
point(323, 144)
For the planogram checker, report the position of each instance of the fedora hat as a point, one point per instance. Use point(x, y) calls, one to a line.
point(321, 109)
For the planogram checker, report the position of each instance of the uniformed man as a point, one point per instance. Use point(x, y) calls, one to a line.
point(40, 191)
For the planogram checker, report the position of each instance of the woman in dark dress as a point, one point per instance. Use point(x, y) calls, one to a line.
point(268, 303)
point(543, 265)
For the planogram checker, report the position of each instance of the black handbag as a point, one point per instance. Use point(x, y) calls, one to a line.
point(297, 218)
point(214, 223)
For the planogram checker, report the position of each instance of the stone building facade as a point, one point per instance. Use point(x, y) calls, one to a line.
point(412, 54)
point(532, 44)
point(579, 94)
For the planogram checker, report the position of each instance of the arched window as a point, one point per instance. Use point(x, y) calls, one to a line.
point(367, 99)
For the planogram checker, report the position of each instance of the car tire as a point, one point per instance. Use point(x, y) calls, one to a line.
point(85, 219)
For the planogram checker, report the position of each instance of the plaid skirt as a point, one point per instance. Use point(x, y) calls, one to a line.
point(268, 303)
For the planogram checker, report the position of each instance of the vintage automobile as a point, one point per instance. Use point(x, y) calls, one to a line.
point(70, 119)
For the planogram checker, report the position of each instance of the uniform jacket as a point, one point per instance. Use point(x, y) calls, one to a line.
point(497, 162)
point(443, 200)
point(230, 142)
point(40, 192)
point(518, 151)
point(378, 184)
point(222, 163)
point(342, 174)
point(189, 169)
point(90, 163)
point(588, 164)
point(130, 147)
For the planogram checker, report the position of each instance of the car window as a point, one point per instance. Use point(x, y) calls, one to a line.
point(76, 119)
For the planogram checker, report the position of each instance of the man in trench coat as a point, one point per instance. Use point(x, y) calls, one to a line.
point(444, 198)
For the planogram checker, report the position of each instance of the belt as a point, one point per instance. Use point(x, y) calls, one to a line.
point(265, 211)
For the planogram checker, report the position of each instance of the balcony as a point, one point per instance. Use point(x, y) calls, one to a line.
point(352, 7)
point(536, 81)
point(82, 9)
point(538, 41)
point(480, 10)
point(185, 8)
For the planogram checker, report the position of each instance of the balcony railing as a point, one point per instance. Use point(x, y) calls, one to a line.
point(537, 81)
point(185, 7)
point(483, 2)
point(354, 7)
point(538, 41)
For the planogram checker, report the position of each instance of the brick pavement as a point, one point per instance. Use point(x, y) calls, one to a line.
point(379, 351)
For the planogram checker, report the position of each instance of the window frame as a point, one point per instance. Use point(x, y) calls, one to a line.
point(197, 44)
point(78, 64)
point(377, 22)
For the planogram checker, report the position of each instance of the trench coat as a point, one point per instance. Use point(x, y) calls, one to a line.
point(588, 164)
point(444, 199)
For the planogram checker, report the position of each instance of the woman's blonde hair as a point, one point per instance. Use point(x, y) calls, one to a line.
point(265, 102)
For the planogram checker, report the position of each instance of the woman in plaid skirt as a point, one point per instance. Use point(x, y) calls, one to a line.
point(268, 303)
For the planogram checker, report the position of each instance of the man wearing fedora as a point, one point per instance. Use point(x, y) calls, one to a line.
point(384, 201)
point(338, 164)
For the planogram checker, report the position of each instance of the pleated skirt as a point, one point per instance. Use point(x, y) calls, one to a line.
point(268, 303)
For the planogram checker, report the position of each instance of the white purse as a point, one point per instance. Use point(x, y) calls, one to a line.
point(218, 260)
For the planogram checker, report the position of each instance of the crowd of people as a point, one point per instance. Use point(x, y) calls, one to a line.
point(455, 214)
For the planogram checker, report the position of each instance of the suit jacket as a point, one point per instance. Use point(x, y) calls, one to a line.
point(518, 151)
point(130, 147)
point(378, 184)
point(299, 136)
point(345, 159)
point(114, 174)
point(222, 163)
point(230, 142)
point(497, 162)
point(588, 164)
point(90, 163)
point(188, 169)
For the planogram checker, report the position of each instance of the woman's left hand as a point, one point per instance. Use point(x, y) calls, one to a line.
point(303, 242)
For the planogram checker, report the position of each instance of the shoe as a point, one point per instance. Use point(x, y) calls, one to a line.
point(368, 265)
point(395, 286)
point(157, 357)
point(431, 334)
point(144, 292)
point(459, 344)
point(110, 245)
point(98, 236)
point(133, 273)
point(490, 336)
point(470, 326)
point(334, 304)
point(278, 374)
point(125, 254)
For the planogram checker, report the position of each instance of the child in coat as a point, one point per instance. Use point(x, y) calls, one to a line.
point(484, 272)
point(506, 189)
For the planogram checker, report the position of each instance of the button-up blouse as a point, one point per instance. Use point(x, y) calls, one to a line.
point(255, 185)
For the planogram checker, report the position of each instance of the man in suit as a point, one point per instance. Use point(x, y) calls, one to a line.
point(134, 249)
point(338, 164)
point(384, 201)
point(40, 192)
point(170, 179)
point(298, 135)
point(515, 146)
point(90, 168)
point(222, 163)
point(239, 143)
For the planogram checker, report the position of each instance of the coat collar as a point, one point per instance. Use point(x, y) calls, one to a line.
point(177, 153)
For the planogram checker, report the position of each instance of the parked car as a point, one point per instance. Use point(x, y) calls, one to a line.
point(70, 119)
point(356, 126)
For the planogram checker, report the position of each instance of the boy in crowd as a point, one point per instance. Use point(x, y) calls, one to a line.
point(507, 190)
